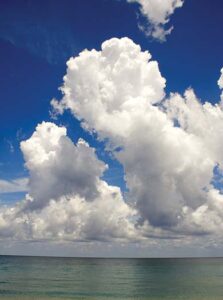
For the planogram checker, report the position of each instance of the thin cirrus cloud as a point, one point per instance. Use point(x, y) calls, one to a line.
point(14, 186)
point(170, 149)
point(158, 14)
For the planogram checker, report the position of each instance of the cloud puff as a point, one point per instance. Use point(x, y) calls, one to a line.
point(158, 13)
point(170, 148)
point(104, 87)
point(58, 167)
point(67, 200)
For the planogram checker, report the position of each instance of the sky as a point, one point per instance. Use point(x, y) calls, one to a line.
point(111, 128)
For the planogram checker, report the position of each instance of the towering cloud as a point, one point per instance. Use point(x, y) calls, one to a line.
point(158, 13)
point(170, 148)
point(103, 88)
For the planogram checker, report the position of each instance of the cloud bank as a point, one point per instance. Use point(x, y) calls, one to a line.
point(169, 146)
point(158, 14)
point(67, 200)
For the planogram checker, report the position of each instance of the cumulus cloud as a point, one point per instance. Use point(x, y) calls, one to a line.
point(58, 167)
point(67, 200)
point(170, 148)
point(103, 88)
point(158, 14)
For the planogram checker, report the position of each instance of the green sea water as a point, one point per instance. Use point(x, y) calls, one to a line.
point(89, 278)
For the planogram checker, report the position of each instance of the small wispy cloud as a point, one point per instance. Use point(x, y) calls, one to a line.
point(20, 135)
point(14, 186)
point(11, 146)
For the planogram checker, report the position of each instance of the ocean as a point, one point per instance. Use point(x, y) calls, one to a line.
point(95, 278)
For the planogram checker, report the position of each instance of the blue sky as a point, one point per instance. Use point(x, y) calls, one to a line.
point(38, 37)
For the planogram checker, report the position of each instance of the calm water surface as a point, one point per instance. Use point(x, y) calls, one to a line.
point(77, 278)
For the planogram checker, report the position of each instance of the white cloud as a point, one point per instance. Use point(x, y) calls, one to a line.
point(75, 218)
point(169, 148)
point(158, 13)
point(220, 84)
point(13, 186)
point(220, 81)
point(67, 200)
point(104, 87)
point(58, 167)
